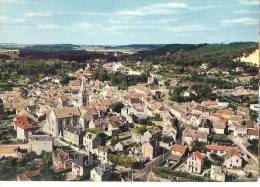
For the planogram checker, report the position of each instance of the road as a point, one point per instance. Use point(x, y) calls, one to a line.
point(58, 142)
point(142, 174)
point(243, 149)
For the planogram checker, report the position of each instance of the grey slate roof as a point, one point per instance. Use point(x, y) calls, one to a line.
point(100, 170)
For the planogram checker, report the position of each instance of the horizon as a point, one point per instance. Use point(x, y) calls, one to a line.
point(116, 22)
point(129, 44)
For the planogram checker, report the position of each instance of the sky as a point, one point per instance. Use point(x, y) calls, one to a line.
point(122, 22)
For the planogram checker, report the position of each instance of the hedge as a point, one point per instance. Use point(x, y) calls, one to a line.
point(183, 176)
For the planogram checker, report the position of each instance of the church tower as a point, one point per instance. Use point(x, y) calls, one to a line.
point(82, 95)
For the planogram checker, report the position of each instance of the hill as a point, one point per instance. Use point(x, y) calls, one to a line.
point(216, 55)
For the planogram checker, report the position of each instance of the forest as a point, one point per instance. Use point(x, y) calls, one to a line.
point(216, 55)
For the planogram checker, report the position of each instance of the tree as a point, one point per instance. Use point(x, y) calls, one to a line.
point(65, 80)
point(47, 174)
point(116, 107)
point(198, 146)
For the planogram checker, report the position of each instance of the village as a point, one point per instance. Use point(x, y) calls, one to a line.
point(98, 132)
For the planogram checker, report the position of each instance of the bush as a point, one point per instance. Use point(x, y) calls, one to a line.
point(183, 176)
point(221, 138)
point(123, 161)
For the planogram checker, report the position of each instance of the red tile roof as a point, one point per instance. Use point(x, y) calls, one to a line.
point(20, 119)
point(215, 115)
point(197, 154)
point(253, 132)
point(23, 123)
point(226, 112)
point(179, 148)
point(29, 176)
point(221, 148)
point(26, 126)
point(242, 109)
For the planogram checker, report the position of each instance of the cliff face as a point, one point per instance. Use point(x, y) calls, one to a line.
point(252, 58)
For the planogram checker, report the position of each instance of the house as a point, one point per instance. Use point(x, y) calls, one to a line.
point(135, 151)
point(204, 66)
point(191, 135)
point(39, 143)
point(225, 113)
point(217, 173)
point(239, 69)
point(150, 149)
point(74, 135)
point(152, 134)
point(29, 176)
point(102, 153)
point(170, 131)
point(240, 129)
point(101, 173)
point(222, 103)
point(176, 112)
point(101, 123)
point(219, 126)
point(253, 133)
point(138, 138)
point(112, 128)
point(62, 159)
point(254, 107)
point(233, 158)
point(219, 150)
point(91, 141)
point(121, 146)
point(23, 128)
point(198, 110)
point(179, 149)
point(235, 120)
point(195, 162)
point(205, 126)
point(243, 111)
point(83, 164)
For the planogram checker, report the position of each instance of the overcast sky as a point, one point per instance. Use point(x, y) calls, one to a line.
point(117, 22)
